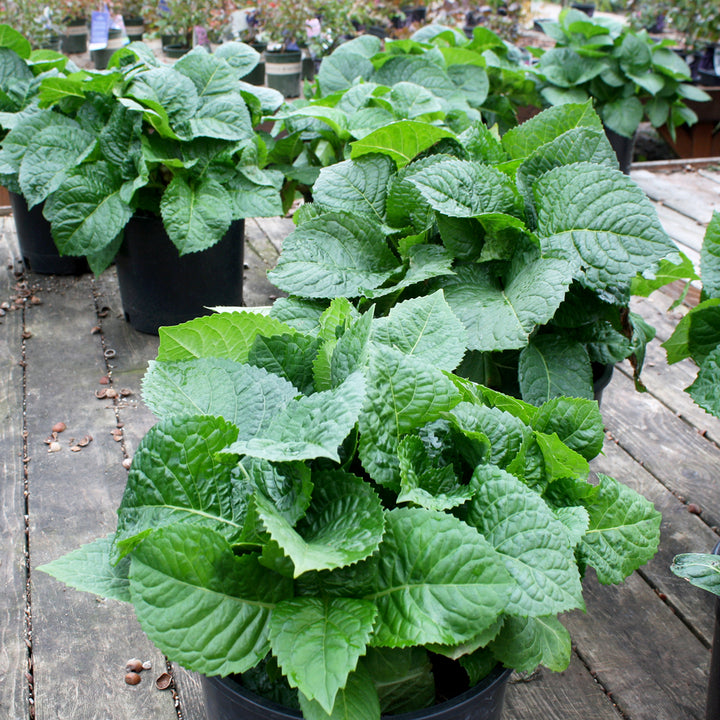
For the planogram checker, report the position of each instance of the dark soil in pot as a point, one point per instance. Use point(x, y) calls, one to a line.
point(226, 699)
point(159, 287)
point(38, 250)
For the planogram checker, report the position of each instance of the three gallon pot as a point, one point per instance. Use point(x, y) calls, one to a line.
point(38, 249)
point(160, 287)
point(283, 71)
point(227, 700)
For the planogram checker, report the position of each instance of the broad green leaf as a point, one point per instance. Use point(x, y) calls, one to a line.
point(425, 484)
point(176, 478)
point(575, 520)
point(565, 68)
point(287, 356)
point(601, 220)
point(89, 569)
point(700, 569)
point(195, 216)
point(501, 313)
point(438, 581)
point(462, 189)
point(623, 116)
point(53, 152)
point(412, 102)
point(526, 642)
point(222, 335)
point(560, 460)
point(666, 273)
point(710, 258)
point(338, 71)
point(245, 396)
point(358, 700)
point(577, 422)
point(553, 366)
point(336, 255)
point(343, 525)
point(86, 211)
point(310, 426)
point(318, 641)
point(425, 328)
point(523, 140)
point(697, 334)
point(705, 388)
point(624, 531)
point(200, 603)
point(240, 57)
point(299, 313)
point(420, 70)
point(352, 350)
point(251, 199)
point(356, 186)
point(517, 522)
point(403, 393)
point(13, 40)
point(288, 486)
point(402, 141)
point(224, 116)
point(403, 678)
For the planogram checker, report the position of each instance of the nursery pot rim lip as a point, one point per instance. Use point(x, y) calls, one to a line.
point(498, 675)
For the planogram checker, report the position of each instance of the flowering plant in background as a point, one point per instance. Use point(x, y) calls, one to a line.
point(75, 9)
point(38, 21)
point(284, 22)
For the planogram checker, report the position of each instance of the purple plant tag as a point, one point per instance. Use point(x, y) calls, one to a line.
point(99, 27)
point(201, 36)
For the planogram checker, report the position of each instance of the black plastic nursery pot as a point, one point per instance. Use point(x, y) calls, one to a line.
point(101, 57)
point(159, 287)
point(587, 8)
point(623, 147)
point(134, 27)
point(257, 75)
point(38, 250)
point(283, 71)
point(173, 52)
point(74, 41)
point(712, 708)
point(227, 700)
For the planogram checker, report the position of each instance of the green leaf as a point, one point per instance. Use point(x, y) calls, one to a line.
point(425, 328)
point(195, 216)
point(501, 313)
point(463, 189)
point(335, 255)
point(358, 700)
point(710, 257)
point(201, 604)
point(318, 643)
point(245, 396)
point(222, 335)
point(577, 422)
point(89, 569)
point(700, 569)
point(309, 427)
point(553, 366)
point(403, 393)
point(240, 57)
point(613, 232)
point(352, 350)
point(343, 524)
point(623, 115)
point(520, 526)
point(53, 152)
point(523, 140)
point(176, 478)
point(402, 141)
point(14, 40)
point(339, 70)
point(425, 484)
point(403, 678)
point(697, 334)
point(666, 273)
point(287, 356)
point(624, 531)
point(356, 186)
point(560, 460)
point(704, 389)
point(526, 642)
point(438, 581)
point(87, 211)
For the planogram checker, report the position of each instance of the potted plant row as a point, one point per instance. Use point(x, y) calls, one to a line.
point(151, 165)
point(540, 279)
point(343, 524)
point(630, 76)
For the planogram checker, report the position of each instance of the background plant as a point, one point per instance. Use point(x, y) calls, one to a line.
point(629, 76)
point(697, 21)
point(36, 20)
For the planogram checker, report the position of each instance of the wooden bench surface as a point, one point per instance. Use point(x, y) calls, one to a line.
point(641, 652)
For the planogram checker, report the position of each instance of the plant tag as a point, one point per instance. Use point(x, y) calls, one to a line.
point(163, 7)
point(716, 60)
point(99, 28)
point(201, 36)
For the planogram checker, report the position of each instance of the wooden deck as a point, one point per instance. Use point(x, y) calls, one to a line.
point(640, 653)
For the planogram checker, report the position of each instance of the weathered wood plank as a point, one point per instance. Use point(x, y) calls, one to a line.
point(276, 229)
point(671, 189)
point(13, 651)
point(568, 695)
point(261, 255)
point(80, 643)
point(673, 451)
point(687, 233)
point(641, 653)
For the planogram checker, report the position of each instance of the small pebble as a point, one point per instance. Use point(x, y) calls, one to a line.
point(59, 427)
point(147, 665)
point(694, 509)
point(134, 665)
point(126, 463)
point(132, 678)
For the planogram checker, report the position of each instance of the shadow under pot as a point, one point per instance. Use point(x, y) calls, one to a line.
point(226, 699)
point(37, 247)
point(160, 287)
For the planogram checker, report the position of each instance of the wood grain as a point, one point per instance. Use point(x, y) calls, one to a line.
point(13, 651)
